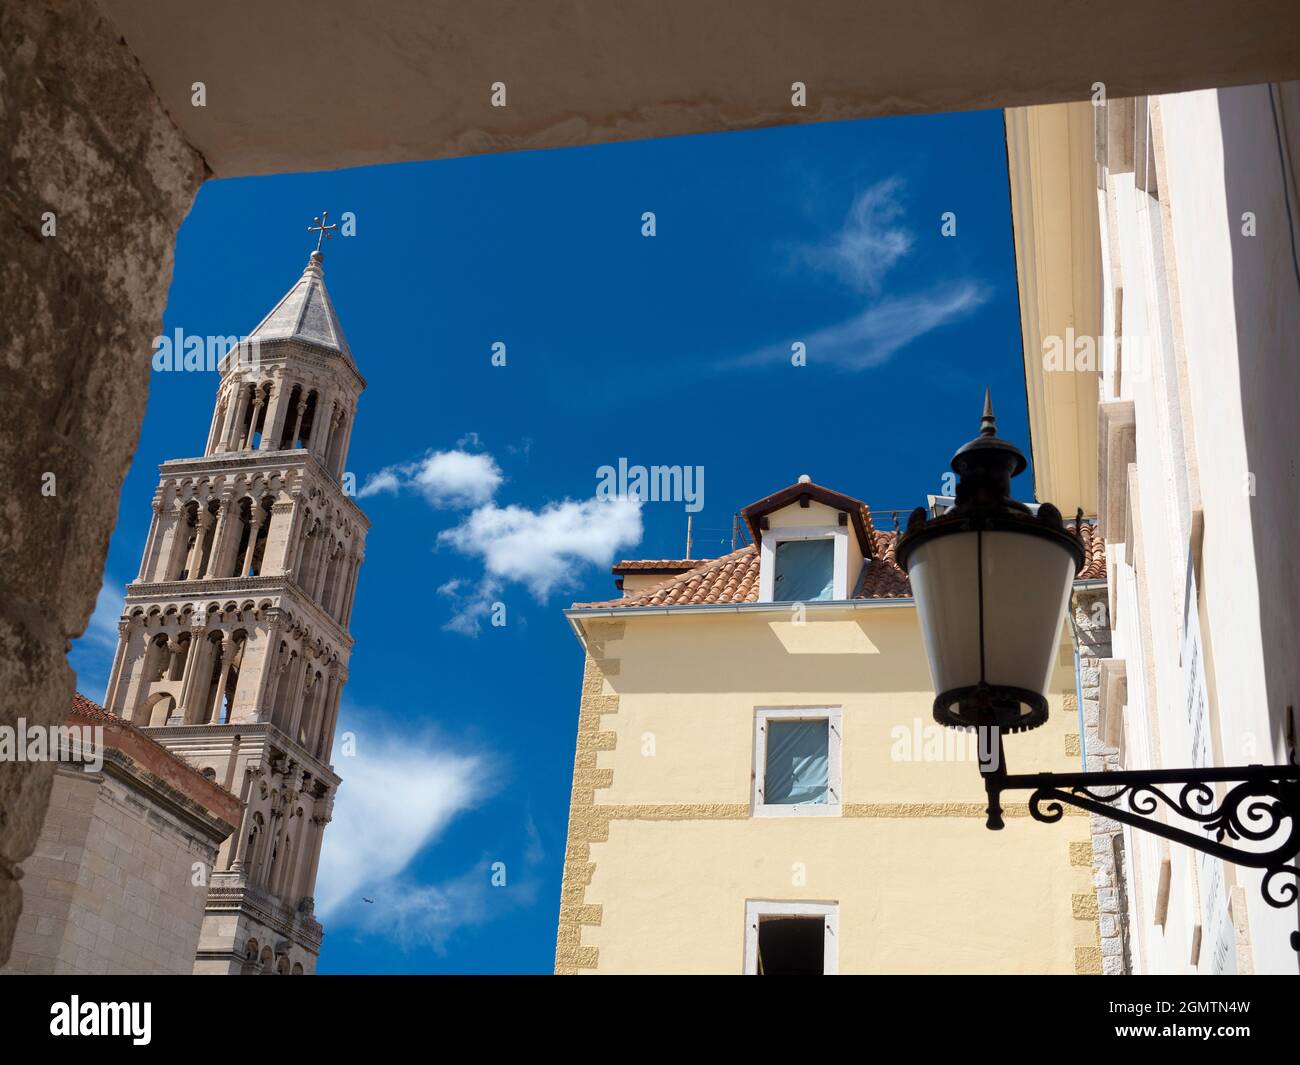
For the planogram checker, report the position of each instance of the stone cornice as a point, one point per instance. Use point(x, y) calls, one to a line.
point(271, 736)
point(295, 927)
point(299, 459)
point(277, 351)
point(234, 588)
point(190, 813)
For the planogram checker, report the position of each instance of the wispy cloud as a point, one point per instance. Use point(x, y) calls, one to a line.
point(874, 336)
point(868, 243)
point(449, 479)
point(92, 653)
point(413, 915)
point(410, 782)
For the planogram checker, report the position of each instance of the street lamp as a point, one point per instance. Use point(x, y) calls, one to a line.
point(992, 582)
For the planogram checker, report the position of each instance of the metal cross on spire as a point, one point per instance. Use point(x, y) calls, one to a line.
point(322, 228)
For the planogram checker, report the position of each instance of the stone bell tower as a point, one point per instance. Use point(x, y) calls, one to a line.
point(233, 648)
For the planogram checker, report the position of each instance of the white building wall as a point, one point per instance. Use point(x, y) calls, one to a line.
point(1215, 315)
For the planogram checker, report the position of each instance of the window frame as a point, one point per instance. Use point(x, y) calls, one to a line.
point(837, 534)
point(757, 909)
point(833, 716)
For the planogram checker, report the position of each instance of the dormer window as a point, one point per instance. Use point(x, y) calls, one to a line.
point(804, 570)
point(813, 543)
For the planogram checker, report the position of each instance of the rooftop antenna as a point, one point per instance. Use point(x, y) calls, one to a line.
point(688, 535)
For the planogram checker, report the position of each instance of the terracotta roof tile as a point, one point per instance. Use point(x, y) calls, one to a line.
point(655, 565)
point(883, 577)
point(733, 578)
point(152, 755)
point(1094, 552)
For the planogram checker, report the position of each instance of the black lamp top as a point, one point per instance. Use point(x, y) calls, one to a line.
point(988, 452)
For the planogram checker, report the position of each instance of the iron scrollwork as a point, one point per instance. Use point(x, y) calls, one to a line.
point(1255, 822)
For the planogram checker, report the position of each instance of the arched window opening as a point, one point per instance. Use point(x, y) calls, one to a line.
point(187, 523)
point(308, 420)
point(179, 657)
point(257, 423)
point(155, 663)
point(263, 531)
point(309, 708)
point(337, 435)
point(292, 416)
point(229, 680)
point(153, 710)
point(255, 844)
point(286, 672)
point(246, 533)
point(332, 578)
point(209, 530)
point(161, 707)
point(214, 677)
point(313, 538)
point(247, 413)
point(205, 680)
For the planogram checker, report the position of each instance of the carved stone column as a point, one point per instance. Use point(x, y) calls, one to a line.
point(323, 816)
point(155, 533)
point(115, 676)
point(237, 407)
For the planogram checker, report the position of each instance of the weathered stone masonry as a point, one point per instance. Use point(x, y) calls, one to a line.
point(85, 139)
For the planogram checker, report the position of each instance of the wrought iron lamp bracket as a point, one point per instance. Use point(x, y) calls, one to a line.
point(1261, 807)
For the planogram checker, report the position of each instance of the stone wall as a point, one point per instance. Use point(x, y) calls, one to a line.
point(1091, 612)
point(110, 886)
point(94, 182)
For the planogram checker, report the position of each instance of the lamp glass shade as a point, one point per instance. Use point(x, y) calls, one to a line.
point(1022, 596)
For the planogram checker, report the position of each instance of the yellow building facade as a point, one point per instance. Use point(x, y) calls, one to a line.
point(677, 863)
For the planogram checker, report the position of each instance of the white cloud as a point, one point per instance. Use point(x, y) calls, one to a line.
point(386, 480)
point(869, 242)
point(875, 335)
point(458, 478)
point(540, 549)
point(445, 478)
point(409, 784)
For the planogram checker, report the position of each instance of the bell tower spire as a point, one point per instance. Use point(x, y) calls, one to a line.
point(234, 645)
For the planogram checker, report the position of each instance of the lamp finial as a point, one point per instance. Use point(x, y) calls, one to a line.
point(988, 423)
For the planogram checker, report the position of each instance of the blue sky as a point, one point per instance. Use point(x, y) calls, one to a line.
point(671, 349)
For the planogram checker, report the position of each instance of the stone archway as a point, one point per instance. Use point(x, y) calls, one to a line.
point(105, 150)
